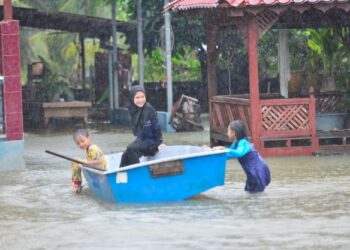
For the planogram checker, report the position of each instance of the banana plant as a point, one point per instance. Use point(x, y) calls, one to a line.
point(326, 43)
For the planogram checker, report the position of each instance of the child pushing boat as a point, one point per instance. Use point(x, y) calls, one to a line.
point(254, 166)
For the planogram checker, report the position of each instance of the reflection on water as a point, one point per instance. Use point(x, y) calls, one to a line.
point(305, 207)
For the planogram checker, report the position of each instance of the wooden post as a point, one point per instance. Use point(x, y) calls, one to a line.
point(82, 56)
point(253, 38)
point(312, 115)
point(211, 34)
point(7, 10)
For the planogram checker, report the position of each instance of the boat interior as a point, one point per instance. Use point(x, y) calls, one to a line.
point(113, 160)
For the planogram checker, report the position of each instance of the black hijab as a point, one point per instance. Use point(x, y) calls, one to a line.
point(138, 115)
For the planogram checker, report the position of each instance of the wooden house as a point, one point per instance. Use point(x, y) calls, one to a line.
point(277, 126)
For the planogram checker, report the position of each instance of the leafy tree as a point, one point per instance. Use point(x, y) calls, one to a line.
point(326, 43)
point(61, 47)
point(187, 36)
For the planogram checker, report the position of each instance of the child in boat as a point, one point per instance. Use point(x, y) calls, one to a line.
point(145, 127)
point(254, 166)
point(94, 157)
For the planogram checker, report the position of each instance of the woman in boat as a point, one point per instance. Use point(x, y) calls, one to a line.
point(254, 166)
point(94, 157)
point(145, 127)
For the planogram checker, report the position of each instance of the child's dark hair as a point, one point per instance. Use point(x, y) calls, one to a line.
point(81, 132)
point(239, 128)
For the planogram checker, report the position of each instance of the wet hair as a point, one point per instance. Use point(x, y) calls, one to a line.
point(81, 132)
point(239, 128)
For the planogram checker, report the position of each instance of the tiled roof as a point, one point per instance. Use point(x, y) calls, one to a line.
point(200, 4)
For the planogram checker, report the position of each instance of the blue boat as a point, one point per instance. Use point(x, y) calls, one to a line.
point(173, 174)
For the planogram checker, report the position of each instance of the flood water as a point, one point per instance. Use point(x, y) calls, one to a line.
point(306, 205)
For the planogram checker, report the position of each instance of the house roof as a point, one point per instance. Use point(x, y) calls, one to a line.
point(202, 4)
point(282, 13)
point(90, 26)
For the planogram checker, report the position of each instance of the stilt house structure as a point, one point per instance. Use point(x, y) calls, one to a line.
point(289, 123)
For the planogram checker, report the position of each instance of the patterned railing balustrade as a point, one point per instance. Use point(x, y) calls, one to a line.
point(328, 102)
point(291, 122)
point(285, 116)
point(287, 125)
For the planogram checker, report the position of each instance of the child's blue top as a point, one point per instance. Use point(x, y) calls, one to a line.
point(254, 166)
point(239, 149)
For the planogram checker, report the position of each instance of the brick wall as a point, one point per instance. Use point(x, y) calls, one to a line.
point(10, 69)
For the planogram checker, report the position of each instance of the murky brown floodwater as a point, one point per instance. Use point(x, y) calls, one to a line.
point(305, 207)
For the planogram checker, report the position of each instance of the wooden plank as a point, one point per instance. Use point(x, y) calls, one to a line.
point(333, 133)
point(219, 115)
point(285, 133)
point(290, 151)
point(74, 104)
point(229, 112)
point(329, 149)
point(167, 168)
point(282, 102)
point(292, 137)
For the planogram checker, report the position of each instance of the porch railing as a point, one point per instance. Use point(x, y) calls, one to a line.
point(286, 117)
point(287, 126)
point(224, 109)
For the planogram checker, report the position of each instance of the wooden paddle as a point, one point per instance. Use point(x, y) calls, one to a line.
point(73, 160)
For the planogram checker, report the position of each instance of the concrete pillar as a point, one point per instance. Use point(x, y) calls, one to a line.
point(169, 78)
point(140, 41)
point(10, 69)
point(283, 62)
point(7, 10)
point(12, 145)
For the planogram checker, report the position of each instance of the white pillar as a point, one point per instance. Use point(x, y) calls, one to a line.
point(110, 82)
point(115, 56)
point(140, 42)
point(168, 60)
point(283, 62)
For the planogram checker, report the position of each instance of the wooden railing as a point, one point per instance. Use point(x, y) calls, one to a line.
point(290, 124)
point(328, 102)
point(286, 122)
point(224, 109)
point(285, 117)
